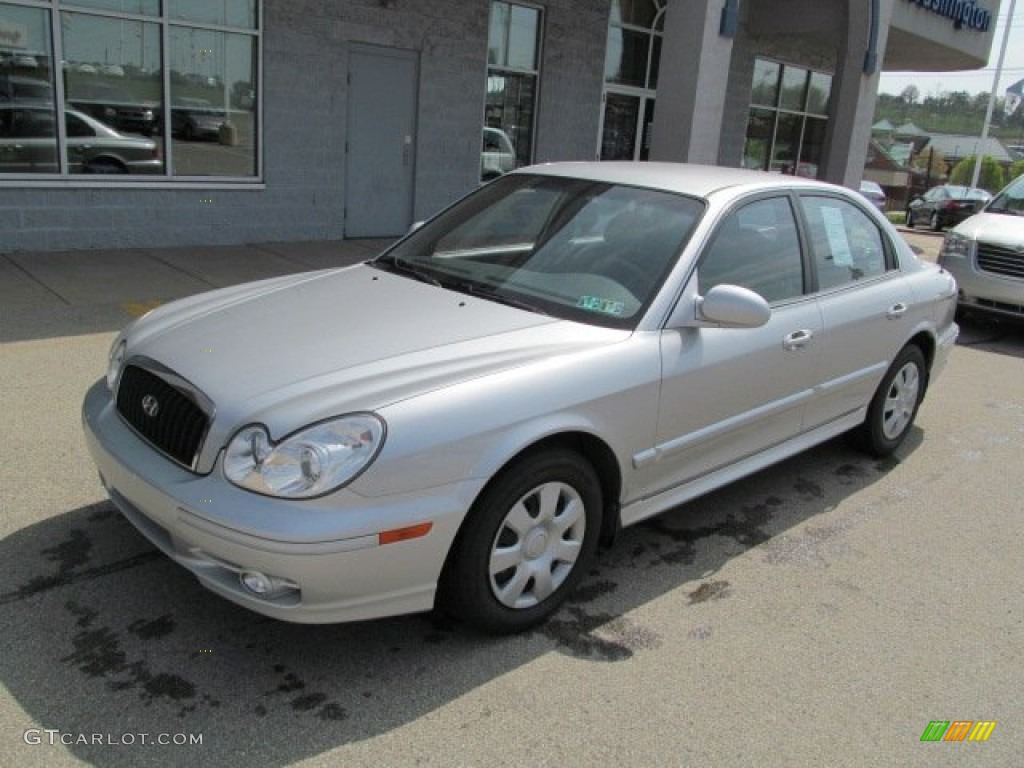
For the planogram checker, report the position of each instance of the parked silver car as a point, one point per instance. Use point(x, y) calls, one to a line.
point(570, 349)
point(28, 143)
point(986, 255)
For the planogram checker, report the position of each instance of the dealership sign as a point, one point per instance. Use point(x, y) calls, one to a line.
point(964, 13)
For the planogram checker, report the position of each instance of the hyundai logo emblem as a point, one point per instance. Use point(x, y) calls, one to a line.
point(150, 406)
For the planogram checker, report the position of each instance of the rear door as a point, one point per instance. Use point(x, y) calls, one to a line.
point(865, 302)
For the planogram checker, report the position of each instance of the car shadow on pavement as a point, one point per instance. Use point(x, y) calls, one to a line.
point(1005, 337)
point(106, 637)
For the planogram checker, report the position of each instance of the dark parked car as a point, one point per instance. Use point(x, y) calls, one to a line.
point(28, 143)
point(193, 119)
point(114, 106)
point(945, 205)
point(15, 88)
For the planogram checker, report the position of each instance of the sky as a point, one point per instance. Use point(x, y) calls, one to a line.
point(972, 81)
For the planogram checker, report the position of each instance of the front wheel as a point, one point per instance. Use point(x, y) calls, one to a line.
point(910, 219)
point(895, 404)
point(525, 544)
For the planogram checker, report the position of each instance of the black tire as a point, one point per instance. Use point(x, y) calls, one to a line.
point(894, 405)
point(105, 167)
point(910, 219)
point(511, 523)
point(933, 223)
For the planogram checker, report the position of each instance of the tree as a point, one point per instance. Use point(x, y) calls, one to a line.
point(1017, 169)
point(910, 94)
point(992, 177)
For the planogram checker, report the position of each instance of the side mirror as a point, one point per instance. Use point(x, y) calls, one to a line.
point(731, 306)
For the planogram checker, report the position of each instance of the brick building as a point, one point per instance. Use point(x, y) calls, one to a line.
point(257, 120)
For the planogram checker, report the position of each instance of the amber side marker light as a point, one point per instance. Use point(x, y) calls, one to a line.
point(404, 534)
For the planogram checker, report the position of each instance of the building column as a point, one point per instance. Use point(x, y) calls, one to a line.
point(692, 83)
point(852, 106)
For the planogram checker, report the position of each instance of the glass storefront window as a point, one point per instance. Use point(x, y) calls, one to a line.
point(231, 13)
point(28, 141)
point(787, 119)
point(118, 118)
point(513, 53)
point(631, 67)
point(636, 13)
point(618, 139)
point(143, 7)
point(626, 59)
point(818, 93)
point(766, 82)
point(794, 88)
point(212, 121)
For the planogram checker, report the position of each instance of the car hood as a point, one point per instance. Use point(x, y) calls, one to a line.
point(289, 351)
point(995, 228)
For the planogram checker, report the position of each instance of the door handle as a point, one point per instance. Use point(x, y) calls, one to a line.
point(896, 311)
point(797, 339)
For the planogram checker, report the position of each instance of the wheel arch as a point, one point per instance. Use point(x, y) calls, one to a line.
point(924, 341)
point(592, 448)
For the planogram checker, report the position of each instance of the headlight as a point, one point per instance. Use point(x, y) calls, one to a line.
point(311, 462)
point(955, 246)
point(114, 363)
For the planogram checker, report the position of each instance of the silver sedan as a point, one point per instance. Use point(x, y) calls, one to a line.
point(459, 422)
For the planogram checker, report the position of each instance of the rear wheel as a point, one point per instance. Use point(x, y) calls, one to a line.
point(895, 404)
point(525, 544)
point(105, 167)
point(934, 222)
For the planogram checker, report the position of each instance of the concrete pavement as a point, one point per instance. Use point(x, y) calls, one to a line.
point(820, 613)
point(36, 288)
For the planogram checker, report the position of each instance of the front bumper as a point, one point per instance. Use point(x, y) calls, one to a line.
point(989, 293)
point(326, 548)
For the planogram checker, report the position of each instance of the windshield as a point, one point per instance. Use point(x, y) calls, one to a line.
point(1010, 200)
point(571, 248)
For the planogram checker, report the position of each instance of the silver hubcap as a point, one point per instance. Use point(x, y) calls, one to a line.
point(900, 401)
point(537, 545)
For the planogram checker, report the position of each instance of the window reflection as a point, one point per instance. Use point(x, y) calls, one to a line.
point(511, 93)
point(28, 143)
point(116, 117)
point(231, 13)
point(212, 99)
point(146, 7)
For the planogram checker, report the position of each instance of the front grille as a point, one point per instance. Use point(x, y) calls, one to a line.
point(1000, 261)
point(163, 414)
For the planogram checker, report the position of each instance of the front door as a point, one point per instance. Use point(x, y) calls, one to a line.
point(381, 142)
point(626, 125)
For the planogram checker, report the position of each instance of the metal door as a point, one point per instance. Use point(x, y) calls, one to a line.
point(380, 142)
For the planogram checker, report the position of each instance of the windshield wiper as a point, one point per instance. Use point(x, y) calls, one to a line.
point(400, 266)
point(486, 292)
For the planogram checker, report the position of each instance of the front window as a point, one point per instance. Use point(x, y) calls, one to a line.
point(513, 71)
point(574, 249)
point(167, 89)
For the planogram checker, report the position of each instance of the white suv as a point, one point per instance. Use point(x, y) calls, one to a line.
point(985, 254)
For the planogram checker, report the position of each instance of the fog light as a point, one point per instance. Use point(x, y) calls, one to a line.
point(261, 585)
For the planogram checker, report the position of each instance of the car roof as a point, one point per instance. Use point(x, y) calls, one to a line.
point(681, 178)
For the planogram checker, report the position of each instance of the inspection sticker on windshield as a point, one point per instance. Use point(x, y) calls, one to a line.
point(604, 306)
